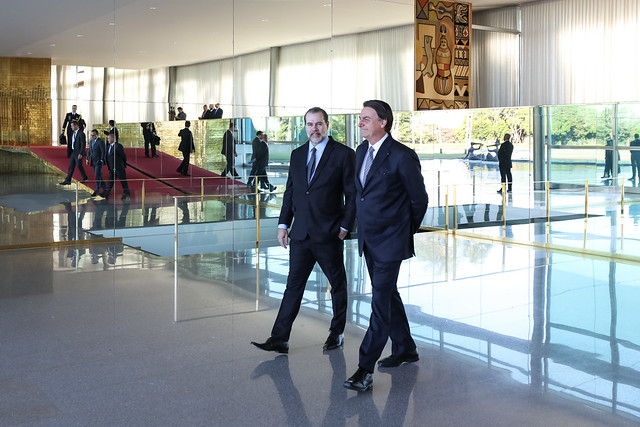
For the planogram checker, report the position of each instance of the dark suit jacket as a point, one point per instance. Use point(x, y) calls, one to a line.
point(69, 118)
point(186, 141)
point(97, 151)
point(504, 155)
point(261, 153)
point(228, 144)
point(392, 203)
point(217, 114)
point(115, 132)
point(80, 144)
point(120, 161)
point(325, 204)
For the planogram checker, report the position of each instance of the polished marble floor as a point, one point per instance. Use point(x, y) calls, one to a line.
point(509, 333)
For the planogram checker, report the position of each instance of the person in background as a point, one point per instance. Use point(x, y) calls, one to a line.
point(318, 208)
point(77, 143)
point(262, 161)
point(391, 201)
point(186, 147)
point(117, 163)
point(149, 134)
point(95, 158)
point(205, 113)
point(72, 116)
point(254, 149)
point(229, 151)
point(504, 162)
point(181, 114)
point(635, 157)
point(217, 112)
point(114, 129)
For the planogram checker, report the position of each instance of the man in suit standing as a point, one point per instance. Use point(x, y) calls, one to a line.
point(217, 112)
point(95, 158)
point(114, 129)
point(186, 147)
point(254, 149)
point(116, 162)
point(320, 194)
point(391, 201)
point(78, 143)
point(635, 157)
point(72, 116)
point(504, 162)
point(229, 150)
point(181, 114)
point(149, 134)
point(261, 162)
point(205, 112)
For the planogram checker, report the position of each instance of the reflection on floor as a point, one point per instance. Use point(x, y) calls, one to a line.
point(510, 333)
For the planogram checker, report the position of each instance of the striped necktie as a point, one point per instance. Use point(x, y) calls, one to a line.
point(368, 160)
point(311, 166)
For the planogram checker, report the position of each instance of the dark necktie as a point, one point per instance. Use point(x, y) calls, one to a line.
point(311, 166)
point(368, 160)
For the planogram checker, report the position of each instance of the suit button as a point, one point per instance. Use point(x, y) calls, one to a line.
point(362, 199)
point(306, 192)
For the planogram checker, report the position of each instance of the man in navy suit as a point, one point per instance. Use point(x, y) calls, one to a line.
point(116, 162)
point(95, 158)
point(320, 194)
point(391, 201)
point(216, 112)
point(78, 143)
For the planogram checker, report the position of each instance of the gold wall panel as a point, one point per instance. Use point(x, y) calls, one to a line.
point(25, 101)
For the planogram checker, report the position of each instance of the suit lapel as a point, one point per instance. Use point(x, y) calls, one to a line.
point(381, 157)
point(323, 161)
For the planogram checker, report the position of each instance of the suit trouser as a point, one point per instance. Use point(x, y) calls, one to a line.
point(388, 318)
point(303, 255)
point(148, 141)
point(184, 166)
point(97, 171)
point(73, 162)
point(122, 176)
point(505, 176)
point(230, 168)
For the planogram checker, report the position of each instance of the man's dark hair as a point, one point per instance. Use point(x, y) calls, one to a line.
point(112, 122)
point(231, 124)
point(383, 110)
point(507, 137)
point(636, 136)
point(93, 130)
point(187, 123)
point(259, 133)
point(315, 110)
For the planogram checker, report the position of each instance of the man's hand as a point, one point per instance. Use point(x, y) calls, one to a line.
point(79, 156)
point(283, 237)
point(342, 234)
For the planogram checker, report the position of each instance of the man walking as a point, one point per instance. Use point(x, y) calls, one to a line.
point(229, 150)
point(78, 143)
point(504, 162)
point(391, 201)
point(95, 158)
point(186, 147)
point(319, 195)
point(117, 162)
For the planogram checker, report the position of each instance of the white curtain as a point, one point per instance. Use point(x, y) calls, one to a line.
point(206, 83)
point(250, 86)
point(137, 95)
point(580, 51)
point(495, 59)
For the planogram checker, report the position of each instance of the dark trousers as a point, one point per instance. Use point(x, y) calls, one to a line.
point(73, 162)
point(303, 255)
point(505, 176)
point(388, 318)
point(148, 140)
point(122, 176)
point(230, 168)
point(97, 171)
point(184, 166)
point(635, 165)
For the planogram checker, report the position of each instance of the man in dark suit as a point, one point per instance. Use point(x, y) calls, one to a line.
point(504, 162)
point(114, 129)
point(186, 147)
point(261, 163)
point(217, 112)
point(116, 162)
point(229, 150)
point(205, 113)
point(635, 157)
point(254, 149)
point(149, 134)
point(78, 143)
point(72, 116)
point(320, 194)
point(95, 158)
point(391, 201)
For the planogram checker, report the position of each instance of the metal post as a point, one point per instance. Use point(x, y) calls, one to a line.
point(446, 208)
point(175, 259)
point(621, 195)
point(202, 193)
point(142, 199)
point(586, 199)
point(548, 201)
point(455, 211)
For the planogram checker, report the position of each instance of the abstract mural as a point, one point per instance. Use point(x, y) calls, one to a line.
point(442, 55)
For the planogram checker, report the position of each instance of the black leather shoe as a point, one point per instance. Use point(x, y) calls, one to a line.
point(360, 381)
point(333, 341)
point(125, 198)
point(393, 361)
point(273, 344)
point(94, 194)
point(65, 183)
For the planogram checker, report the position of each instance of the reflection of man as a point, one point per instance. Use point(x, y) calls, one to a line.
point(117, 162)
point(205, 112)
point(635, 156)
point(504, 162)
point(254, 149)
point(95, 158)
point(149, 134)
point(72, 116)
point(114, 129)
point(181, 114)
point(391, 201)
point(261, 162)
point(186, 147)
point(78, 144)
point(320, 197)
point(229, 150)
point(217, 112)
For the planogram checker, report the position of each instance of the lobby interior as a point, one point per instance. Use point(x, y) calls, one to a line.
point(142, 312)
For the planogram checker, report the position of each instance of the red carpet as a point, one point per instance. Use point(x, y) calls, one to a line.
point(158, 174)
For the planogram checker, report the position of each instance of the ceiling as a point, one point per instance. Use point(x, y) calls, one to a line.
point(140, 34)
